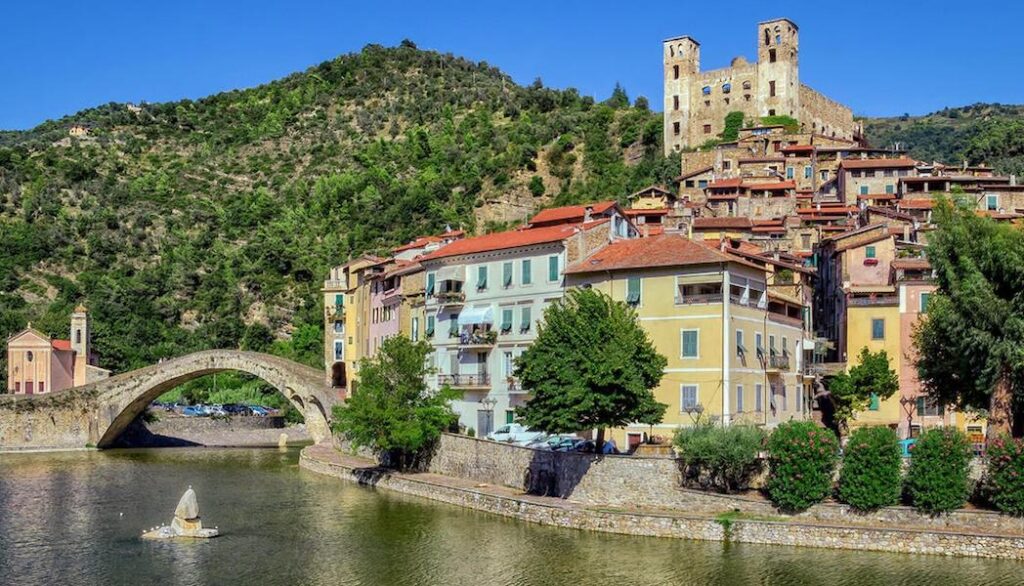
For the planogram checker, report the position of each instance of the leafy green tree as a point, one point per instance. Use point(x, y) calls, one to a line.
point(871, 379)
point(971, 343)
point(391, 411)
point(871, 473)
point(801, 460)
point(937, 480)
point(591, 366)
point(724, 458)
point(619, 98)
point(1005, 474)
point(536, 186)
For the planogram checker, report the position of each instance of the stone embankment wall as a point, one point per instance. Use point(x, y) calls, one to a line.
point(179, 431)
point(656, 483)
point(678, 524)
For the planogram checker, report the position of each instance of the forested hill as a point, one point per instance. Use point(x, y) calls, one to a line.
point(212, 223)
point(982, 133)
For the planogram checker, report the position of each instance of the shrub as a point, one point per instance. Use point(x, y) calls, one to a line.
point(722, 458)
point(1005, 475)
point(937, 479)
point(802, 457)
point(870, 478)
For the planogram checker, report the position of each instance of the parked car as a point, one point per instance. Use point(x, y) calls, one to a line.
point(591, 447)
point(194, 411)
point(216, 411)
point(236, 409)
point(556, 443)
point(258, 411)
point(514, 433)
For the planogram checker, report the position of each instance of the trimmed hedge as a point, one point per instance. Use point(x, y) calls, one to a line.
point(870, 476)
point(1005, 475)
point(722, 458)
point(937, 481)
point(802, 458)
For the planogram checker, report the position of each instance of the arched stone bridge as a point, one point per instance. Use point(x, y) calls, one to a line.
point(97, 413)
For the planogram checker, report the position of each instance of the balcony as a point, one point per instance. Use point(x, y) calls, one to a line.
point(699, 299)
point(776, 363)
point(465, 381)
point(450, 297)
point(334, 311)
point(514, 388)
point(478, 338)
point(873, 300)
point(333, 284)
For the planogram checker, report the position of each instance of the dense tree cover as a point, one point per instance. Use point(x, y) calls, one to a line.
point(982, 133)
point(212, 222)
point(392, 411)
point(872, 379)
point(971, 343)
point(591, 367)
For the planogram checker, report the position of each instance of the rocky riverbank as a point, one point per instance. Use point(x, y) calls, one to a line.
point(171, 430)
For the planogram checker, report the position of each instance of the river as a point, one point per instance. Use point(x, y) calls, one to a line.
point(75, 518)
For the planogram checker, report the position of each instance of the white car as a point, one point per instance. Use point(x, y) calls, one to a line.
point(514, 433)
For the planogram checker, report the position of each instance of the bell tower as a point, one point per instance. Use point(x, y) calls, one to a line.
point(80, 343)
point(778, 78)
point(681, 56)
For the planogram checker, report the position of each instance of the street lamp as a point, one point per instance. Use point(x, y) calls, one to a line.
point(908, 404)
point(694, 411)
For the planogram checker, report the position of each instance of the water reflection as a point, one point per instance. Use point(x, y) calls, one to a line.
point(61, 523)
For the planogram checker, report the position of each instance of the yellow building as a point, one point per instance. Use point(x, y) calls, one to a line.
point(874, 323)
point(734, 350)
point(346, 307)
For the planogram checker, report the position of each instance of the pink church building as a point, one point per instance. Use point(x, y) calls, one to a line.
point(38, 364)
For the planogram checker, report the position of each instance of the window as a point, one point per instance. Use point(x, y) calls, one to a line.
point(771, 344)
point(785, 397)
point(869, 252)
point(771, 55)
point(789, 172)
point(508, 366)
point(740, 349)
point(726, 88)
point(771, 112)
point(481, 278)
point(706, 90)
point(739, 398)
point(824, 175)
point(726, 165)
point(506, 274)
point(925, 298)
point(771, 92)
point(874, 403)
point(510, 416)
point(929, 407)
point(78, 336)
point(855, 173)
point(887, 173)
point(992, 202)
point(453, 325)
point(675, 72)
point(429, 332)
point(524, 325)
point(633, 291)
point(758, 400)
point(702, 183)
point(527, 276)
point(778, 39)
point(431, 280)
point(863, 189)
point(746, 85)
point(675, 128)
point(759, 343)
point(690, 183)
point(339, 349)
point(689, 341)
point(808, 172)
point(799, 398)
point(805, 240)
point(687, 397)
point(707, 129)
point(506, 320)
point(415, 329)
point(553, 268)
point(878, 329)
point(785, 347)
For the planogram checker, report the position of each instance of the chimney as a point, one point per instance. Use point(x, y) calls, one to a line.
point(1013, 180)
point(588, 212)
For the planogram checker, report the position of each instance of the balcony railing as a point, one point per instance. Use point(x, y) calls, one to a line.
point(461, 381)
point(777, 362)
point(867, 301)
point(701, 298)
point(488, 338)
point(335, 284)
point(514, 388)
point(450, 297)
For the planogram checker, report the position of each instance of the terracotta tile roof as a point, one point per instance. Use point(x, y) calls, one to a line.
point(798, 148)
point(658, 189)
point(510, 239)
point(772, 186)
point(768, 229)
point(403, 267)
point(569, 213)
point(417, 243)
point(666, 250)
point(880, 196)
point(724, 183)
point(916, 204)
point(901, 163)
point(713, 223)
point(64, 345)
point(650, 212)
point(654, 229)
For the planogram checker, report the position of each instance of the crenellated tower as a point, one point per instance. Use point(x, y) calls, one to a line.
point(682, 64)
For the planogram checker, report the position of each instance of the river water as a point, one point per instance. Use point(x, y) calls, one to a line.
point(75, 518)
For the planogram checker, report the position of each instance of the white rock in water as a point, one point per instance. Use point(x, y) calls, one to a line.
point(188, 506)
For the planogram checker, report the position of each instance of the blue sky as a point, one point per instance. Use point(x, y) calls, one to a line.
point(57, 57)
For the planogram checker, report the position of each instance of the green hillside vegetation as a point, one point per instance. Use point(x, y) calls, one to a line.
point(212, 223)
point(983, 133)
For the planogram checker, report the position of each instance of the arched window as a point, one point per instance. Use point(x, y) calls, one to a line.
point(671, 51)
point(706, 90)
point(726, 88)
point(746, 85)
point(78, 336)
point(767, 37)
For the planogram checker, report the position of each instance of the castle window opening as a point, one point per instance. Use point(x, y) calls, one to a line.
point(675, 102)
point(727, 101)
point(767, 37)
point(707, 102)
point(778, 39)
point(706, 90)
point(689, 182)
point(746, 85)
point(675, 72)
point(771, 55)
point(746, 97)
point(771, 112)
point(726, 165)
point(671, 51)
point(675, 128)
point(771, 89)
point(707, 129)
point(726, 88)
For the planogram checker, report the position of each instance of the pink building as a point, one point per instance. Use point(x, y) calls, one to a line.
point(38, 364)
point(385, 302)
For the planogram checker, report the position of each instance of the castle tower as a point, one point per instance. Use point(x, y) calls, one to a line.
point(682, 63)
point(80, 343)
point(778, 79)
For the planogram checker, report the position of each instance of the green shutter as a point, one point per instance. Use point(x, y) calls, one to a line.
point(430, 326)
point(481, 279)
point(507, 274)
point(453, 325)
point(431, 277)
point(633, 290)
point(689, 344)
point(510, 416)
point(506, 320)
point(527, 277)
point(890, 189)
point(874, 402)
point(869, 252)
point(925, 298)
point(863, 189)
point(525, 324)
point(552, 268)
point(339, 300)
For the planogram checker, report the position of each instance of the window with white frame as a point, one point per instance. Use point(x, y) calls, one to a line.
point(739, 398)
point(689, 342)
point(688, 397)
point(759, 397)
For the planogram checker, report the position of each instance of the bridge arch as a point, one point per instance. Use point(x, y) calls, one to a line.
point(98, 413)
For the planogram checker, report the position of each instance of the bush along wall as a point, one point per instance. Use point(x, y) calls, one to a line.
point(1005, 475)
point(719, 458)
point(937, 481)
point(802, 458)
point(870, 477)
